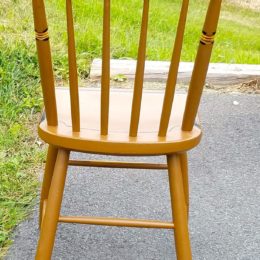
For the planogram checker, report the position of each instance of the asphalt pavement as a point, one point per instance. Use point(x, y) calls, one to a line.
point(224, 197)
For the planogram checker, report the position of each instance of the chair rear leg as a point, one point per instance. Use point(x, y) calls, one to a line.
point(185, 178)
point(50, 219)
point(179, 208)
point(48, 173)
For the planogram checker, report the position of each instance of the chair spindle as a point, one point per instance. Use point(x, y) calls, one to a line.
point(73, 74)
point(105, 78)
point(201, 65)
point(45, 62)
point(173, 71)
point(139, 77)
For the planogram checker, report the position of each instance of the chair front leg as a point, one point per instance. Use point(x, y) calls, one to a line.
point(179, 208)
point(185, 178)
point(52, 212)
point(48, 173)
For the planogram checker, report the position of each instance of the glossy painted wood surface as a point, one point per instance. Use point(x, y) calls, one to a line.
point(119, 222)
point(119, 164)
point(173, 71)
point(201, 65)
point(52, 211)
point(118, 140)
point(185, 178)
point(120, 123)
point(47, 177)
point(73, 74)
point(45, 61)
point(139, 75)
point(179, 208)
point(105, 78)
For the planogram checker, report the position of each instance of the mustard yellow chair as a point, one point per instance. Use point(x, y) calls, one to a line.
point(165, 125)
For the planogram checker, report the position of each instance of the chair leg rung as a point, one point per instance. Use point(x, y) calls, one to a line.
point(118, 164)
point(120, 222)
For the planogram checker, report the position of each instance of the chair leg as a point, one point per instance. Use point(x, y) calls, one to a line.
point(48, 173)
point(185, 178)
point(179, 208)
point(50, 219)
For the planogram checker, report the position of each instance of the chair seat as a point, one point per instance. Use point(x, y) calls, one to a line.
point(118, 141)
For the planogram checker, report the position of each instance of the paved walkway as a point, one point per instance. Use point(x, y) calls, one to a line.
point(225, 197)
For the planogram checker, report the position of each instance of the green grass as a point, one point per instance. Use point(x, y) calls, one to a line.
point(232, 46)
point(237, 41)
point(20, 156)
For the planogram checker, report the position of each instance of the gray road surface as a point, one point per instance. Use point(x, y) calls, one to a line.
point(225, 197)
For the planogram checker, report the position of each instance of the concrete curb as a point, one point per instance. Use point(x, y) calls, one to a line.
point(218, 73)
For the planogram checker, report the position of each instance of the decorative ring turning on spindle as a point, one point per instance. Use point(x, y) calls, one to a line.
point(42, 36)
point(206, 39)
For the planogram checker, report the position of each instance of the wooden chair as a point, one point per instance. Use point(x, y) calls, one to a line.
point(117, 130)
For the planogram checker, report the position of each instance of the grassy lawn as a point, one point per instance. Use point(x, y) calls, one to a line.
point(20, 156)
point(20, 100)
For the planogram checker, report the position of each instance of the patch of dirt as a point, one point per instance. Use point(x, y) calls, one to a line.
point(252, 86)
point(248, 87)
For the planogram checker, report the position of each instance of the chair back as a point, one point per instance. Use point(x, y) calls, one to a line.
point(196, 83)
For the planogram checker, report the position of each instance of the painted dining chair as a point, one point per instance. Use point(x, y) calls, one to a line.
point(113, 122)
